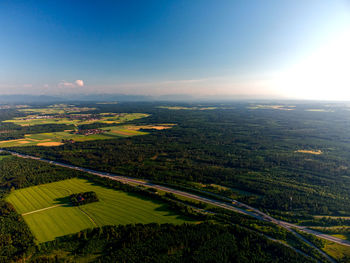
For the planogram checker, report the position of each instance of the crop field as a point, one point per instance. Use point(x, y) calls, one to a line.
point(131, 130)
point(316, 152)
point(57, 109)
point(271, 107)
point(52, 139)
point(80, 119)
point(186, 108)
point(57, 138)
point(48, 213)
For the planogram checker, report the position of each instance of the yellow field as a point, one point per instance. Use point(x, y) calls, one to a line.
point(187, 108)
point(49, 144)
point(155, 127)
point(129, 130)
point(273, 107)
point(320, 110)
point(309, 151)
point(59, 138)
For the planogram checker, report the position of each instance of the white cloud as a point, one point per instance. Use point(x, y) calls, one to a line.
point(79, 83)
point(75, 84)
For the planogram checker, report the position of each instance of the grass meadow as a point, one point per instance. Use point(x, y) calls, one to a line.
point(55, 138)
point(337, 251)
point(116, 118)
point(46, 210)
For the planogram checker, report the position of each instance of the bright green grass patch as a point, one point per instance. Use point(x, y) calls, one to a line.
point(57, 218)
point(341, 236)
point(4, 156)
point(124, 131)
point(342, 232)
point(336, 251)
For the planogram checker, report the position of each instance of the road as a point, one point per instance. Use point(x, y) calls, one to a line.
point(235, 205)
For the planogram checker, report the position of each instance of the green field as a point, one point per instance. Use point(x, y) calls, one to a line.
point(107, 118)
point(4, 156)
point(57, 109)
point(48, 213)
point(55, 138)
point(337, 251)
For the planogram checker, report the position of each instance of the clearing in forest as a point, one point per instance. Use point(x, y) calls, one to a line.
point(271, 107)
point(48, 213)
point(318, 152)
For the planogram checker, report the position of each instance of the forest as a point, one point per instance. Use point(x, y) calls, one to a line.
point(293, 164)
point(83, 198)
point(267, 153)
point(184, 243)
point(170, 243)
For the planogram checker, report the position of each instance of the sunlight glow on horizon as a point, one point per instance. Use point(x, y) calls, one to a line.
point(229, 49)
point(323, 75)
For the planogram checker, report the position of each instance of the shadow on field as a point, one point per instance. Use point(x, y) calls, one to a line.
point(163, 207)
point(166, 208)
point(64, 201)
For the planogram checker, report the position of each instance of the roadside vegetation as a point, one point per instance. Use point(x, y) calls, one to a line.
point(264, 157)
point(285, 160)
point(109, 243)
point(338, 252)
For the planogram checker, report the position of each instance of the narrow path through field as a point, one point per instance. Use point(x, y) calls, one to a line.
point(42, 209)
point(91, 219)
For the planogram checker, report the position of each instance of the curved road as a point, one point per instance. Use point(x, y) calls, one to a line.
point(235, 205)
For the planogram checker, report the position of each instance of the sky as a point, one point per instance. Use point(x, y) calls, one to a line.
point(203, 48)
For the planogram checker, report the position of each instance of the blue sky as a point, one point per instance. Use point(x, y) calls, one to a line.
point(160, 47)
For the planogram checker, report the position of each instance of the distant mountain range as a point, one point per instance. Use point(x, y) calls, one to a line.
point(105, 97)
point(26, 98)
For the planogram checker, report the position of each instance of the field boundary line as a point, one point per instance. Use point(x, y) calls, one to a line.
point(42, 209)
point(91, 219)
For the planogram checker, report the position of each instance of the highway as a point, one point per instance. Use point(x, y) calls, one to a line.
point(234, 205)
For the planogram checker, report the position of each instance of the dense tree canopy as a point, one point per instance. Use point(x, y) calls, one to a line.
point(251, 150)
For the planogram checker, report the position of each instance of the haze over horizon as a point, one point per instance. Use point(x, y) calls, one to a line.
point(261, 49)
